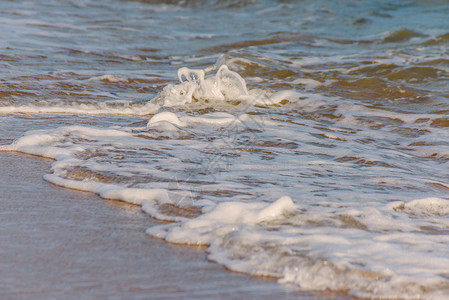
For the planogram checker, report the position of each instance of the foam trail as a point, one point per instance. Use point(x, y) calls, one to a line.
point(106, 108)
point(215, 119)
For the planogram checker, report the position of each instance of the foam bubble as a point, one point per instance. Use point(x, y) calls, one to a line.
point(163, 120)
point(165, 116)
point(110, 78)
point(426, 207)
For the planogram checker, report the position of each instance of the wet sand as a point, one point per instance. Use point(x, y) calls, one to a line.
point(62, 244)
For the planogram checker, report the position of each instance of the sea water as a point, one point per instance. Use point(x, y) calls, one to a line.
point(303, 140)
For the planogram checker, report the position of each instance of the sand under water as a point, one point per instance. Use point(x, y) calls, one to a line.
point(64, 244)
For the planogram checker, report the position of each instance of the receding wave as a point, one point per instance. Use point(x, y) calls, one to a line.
point(229, 191)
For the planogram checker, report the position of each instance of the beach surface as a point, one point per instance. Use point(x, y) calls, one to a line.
point(58, 243)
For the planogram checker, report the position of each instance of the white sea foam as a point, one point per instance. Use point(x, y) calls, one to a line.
point(431, 207)
point(106, 108)
point(225, 86)
point(216, 118)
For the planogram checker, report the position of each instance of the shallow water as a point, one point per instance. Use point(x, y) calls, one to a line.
point(63, 244)
point(305, 140)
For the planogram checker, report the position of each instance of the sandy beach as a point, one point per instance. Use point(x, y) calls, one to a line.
point(57, 243)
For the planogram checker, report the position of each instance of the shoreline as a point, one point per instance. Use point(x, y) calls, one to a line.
point(56, 242)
